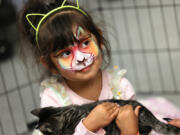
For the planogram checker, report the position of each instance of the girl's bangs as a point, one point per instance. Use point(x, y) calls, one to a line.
point(58, 31)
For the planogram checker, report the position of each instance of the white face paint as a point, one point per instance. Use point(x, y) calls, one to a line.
point(81, 60)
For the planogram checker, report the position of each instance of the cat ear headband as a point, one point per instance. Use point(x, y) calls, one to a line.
point(44, 16)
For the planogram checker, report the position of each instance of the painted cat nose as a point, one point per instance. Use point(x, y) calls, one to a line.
point(81, 62)
point(79, 56)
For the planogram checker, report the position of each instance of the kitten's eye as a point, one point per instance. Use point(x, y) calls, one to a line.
point(65, 54)
point(85, 44)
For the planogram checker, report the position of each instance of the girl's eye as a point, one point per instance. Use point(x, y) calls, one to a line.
point(65, 54)
point(85, 44)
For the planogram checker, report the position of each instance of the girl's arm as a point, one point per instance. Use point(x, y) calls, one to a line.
point(48, 98)
point(82, 130)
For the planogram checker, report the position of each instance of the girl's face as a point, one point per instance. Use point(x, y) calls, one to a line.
point(80, 58)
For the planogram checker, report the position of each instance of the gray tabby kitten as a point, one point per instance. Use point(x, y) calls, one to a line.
point(63, 120)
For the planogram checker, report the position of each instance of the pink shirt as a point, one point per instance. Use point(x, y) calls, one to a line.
point(49, 98)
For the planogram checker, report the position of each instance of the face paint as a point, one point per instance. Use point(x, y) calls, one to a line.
point(65, 58)
point(81, 55)
point(87, 45)
point(82, 60)
point(79, 31)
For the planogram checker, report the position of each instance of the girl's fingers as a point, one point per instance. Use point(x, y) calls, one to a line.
point(136, 111)
point(113, 109)
point(175, 122)
point(114, 112)
point(126, 107)
point(120, 108)
point(111, 106)
point(107, 104)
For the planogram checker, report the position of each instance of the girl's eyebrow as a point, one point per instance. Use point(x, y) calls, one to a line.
point(57, 53)
point(83, 37)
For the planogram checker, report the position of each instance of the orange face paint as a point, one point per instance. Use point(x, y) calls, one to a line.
point(89, 46)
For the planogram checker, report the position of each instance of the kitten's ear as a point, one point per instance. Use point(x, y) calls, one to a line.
point(36, 112)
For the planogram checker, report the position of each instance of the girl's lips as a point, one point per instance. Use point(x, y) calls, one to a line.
point(86, 68)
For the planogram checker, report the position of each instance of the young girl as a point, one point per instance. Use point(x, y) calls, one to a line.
point(66, 41)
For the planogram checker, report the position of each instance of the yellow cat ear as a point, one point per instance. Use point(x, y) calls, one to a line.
point(30, 15)
point(63, 3)
point(77, 2)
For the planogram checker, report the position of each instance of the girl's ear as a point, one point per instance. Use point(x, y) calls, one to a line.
point(102, 46)
point(46, 65)
point(101, 33)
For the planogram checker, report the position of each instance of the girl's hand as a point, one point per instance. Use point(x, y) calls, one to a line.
point(102, 115)
point(175, 122)
point(127, 120)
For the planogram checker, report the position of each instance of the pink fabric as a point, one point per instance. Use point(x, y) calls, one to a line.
point(49, 98)
point(81, 130)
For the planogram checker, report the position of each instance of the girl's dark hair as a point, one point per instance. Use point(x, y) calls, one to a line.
point(56, 31)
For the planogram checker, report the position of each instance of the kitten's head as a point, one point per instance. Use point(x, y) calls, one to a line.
point(51, 122)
